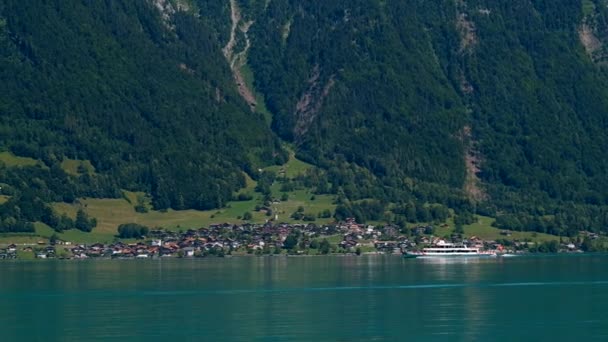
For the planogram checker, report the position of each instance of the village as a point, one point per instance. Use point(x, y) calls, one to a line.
point(228, 239)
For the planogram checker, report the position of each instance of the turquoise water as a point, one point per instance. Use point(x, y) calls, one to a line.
point(367, 298)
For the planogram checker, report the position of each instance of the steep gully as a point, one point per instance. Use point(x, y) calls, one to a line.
point(237, 60)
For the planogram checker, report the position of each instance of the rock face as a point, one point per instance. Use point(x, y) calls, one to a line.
point(593, 32)
point(238, 59)
point(311, 102)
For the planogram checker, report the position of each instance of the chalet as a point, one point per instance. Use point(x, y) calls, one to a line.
point(348, 242)
point(188, 252)
point(98, 247)
point(41, 255)
point(50, 251)
point(164, 251)
point(256, 247)
point(386, 244)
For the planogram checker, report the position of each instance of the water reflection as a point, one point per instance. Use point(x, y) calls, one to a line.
point(303, 299)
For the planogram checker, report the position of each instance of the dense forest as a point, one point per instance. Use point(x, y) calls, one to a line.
point(406, 108)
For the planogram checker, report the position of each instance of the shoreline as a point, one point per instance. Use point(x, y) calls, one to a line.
point(334, 255)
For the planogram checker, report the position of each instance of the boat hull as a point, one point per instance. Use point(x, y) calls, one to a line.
point(409, 256)
point(448, 255)
point(457, 256)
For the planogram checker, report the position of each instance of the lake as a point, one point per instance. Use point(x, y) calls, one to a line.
point(366, 298)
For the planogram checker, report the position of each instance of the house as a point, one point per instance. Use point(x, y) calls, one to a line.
point(188, 252)
point(11, 248)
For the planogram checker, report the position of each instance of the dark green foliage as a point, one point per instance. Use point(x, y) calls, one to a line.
point(290, 241)
point(132, 231)
point(401, 87)
point(386, 98)
point(545, 247)
point(53, 239)
point(309, 218)
point(324, 247)
point(387, 103)
point(152, 108)
point(83, 222)
point(591, 245)
point(326, 213)
point(64, 223)
point(141, 207)
point(244, 197)
point(464, 218)
point(265, 180)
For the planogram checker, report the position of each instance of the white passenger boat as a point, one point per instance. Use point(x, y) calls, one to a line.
point(448, 249)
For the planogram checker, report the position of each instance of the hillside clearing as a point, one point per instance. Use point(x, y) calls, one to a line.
point(12, 160)
point(483, 229)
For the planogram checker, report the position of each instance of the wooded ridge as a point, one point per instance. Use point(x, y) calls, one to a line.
point(488, 107)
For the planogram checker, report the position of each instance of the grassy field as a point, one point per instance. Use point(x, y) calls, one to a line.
point(71, 166)
point(4, 198)
point(483, 229)
point(44, 232)
point(292, 168)
point(110, 213)
point(301, 198)
point(250, 185)
point(20, 238)
point(13, 161)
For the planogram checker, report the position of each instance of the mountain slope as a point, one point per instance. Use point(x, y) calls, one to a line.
point(142, 92)
point(394, 87)
point(484, 106)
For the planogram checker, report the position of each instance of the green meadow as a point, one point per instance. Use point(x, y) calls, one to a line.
point(11, 160)
point(484, 230)
point(77, 167)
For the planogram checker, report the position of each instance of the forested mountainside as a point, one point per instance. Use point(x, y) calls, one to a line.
point(494, 107)
point(144, 94)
